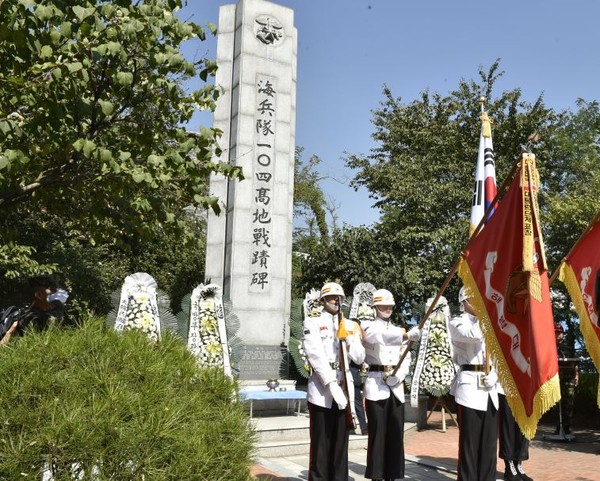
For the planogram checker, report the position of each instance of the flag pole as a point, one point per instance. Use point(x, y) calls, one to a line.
point(450, 275)
point(592, 223)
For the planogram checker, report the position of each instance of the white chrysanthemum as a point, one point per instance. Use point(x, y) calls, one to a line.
point(438, 369)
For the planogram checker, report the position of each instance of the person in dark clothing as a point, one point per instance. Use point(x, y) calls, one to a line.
point(47, 304)
point(568, 373)
point(359, 405)
point(514, 446)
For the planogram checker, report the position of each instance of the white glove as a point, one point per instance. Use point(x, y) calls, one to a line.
point(338, 395)
point(490, 379)
point(392, 380)
point(414, 334)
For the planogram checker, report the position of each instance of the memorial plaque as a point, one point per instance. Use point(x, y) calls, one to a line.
point(264, 362)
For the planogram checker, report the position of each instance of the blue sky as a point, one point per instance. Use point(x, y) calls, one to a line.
point(348, 49)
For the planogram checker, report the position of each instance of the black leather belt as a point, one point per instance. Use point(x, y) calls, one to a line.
point(380, 368)
point(353, 364)
point(472, 367)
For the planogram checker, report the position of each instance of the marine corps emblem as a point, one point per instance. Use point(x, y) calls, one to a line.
point(268, 30)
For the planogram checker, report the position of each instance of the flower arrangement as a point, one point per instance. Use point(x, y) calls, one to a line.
point(438, 368)
point(142, 315)
point(205, 339)
point(209, 349)
point(365, 312)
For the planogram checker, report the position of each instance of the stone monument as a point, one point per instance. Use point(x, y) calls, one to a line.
point(249, 245)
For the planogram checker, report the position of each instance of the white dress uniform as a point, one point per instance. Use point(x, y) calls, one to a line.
point(477, 403)
point(384, 343)
point(328, 429)
point(321, 347)
point(469, 356)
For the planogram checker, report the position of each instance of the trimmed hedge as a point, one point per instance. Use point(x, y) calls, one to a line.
point(116, 406)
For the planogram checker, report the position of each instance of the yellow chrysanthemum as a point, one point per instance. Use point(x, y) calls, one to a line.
point(214, 347)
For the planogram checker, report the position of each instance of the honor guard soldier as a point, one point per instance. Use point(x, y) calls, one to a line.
point(476, 393)
point(383, 392)
point(327, 401)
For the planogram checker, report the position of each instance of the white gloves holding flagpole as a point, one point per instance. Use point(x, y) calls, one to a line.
point(414, 334)
point(338, 395)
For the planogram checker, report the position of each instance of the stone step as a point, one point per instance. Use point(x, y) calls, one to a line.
point(289, 435)
point(276, 449)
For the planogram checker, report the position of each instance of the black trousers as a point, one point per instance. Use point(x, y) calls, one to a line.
point(359, 406)
point(477, 443)
point(385, 455)
point(514, 446)
point(328, 444)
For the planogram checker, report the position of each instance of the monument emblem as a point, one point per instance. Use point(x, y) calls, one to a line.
point(268, 30)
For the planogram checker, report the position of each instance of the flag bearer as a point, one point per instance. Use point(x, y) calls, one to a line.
point(383, 392)
point(327, 400)
point(476, 395)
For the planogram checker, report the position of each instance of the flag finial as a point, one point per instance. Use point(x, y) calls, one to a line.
point(486, 127)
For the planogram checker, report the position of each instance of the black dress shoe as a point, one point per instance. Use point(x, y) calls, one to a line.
point(524, 477)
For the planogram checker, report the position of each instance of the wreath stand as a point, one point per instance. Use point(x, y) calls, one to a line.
point(439, 401)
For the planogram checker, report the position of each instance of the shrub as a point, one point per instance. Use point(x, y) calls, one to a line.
point(116, 406)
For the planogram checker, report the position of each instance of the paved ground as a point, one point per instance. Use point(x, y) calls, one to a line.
point(577, 460)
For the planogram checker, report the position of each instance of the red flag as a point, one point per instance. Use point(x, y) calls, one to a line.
point(505, 267)
point(579, 272)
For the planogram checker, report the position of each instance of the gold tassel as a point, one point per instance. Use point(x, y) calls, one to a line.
point(342, 333)
point(547, 395)
point(569, 279)
point(535, 285)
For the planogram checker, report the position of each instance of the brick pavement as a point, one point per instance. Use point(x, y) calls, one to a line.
point(578, 460)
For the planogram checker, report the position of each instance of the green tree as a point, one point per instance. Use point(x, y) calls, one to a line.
point(421, 174)
point(92, 272)
point(310, 214)
point(309, 203)
point(92, 114)
point(570, 199)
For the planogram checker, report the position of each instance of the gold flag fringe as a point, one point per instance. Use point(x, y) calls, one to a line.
point(569, 279)
point(547, 395)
